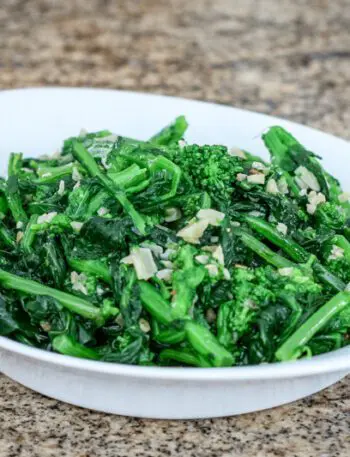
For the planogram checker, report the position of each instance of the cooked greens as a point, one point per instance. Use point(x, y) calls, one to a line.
point(164, 253)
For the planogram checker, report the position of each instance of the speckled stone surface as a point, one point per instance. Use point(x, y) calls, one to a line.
point(282, 57)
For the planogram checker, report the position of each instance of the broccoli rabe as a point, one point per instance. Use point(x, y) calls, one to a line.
point(161, 252)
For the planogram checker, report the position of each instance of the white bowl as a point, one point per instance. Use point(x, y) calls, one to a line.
point(35, 121)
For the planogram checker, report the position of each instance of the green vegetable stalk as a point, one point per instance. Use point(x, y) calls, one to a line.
point(91, 166)
point(75, 304)
point(293, 347)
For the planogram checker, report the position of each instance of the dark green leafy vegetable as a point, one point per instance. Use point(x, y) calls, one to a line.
point(163, 253)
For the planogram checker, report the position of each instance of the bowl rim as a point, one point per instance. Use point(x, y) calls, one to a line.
point(338, 360)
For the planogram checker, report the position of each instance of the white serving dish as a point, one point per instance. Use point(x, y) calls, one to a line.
point(35, 121)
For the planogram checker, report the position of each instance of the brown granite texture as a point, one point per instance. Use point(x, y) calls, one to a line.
point(284, 57)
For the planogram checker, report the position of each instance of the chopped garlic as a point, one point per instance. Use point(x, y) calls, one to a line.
point(203, 259)
point(256, 213)
point(302, 192)
point(165, 274)
point(306, 179)
point(155, 248)
point(216, 251)
point(315, 198)
point(120, 320)
point(218, 254)
point(210, 315)
point(82, 133)
point(172, 214)
point(282, 228)
point(258, 166)
point(344, 197)
point(78, 282)
point(144, 325)
point(46, 217)
point(19, 225)
point(181, 144)
point(236, 152)
point(167, 263)
point(75, 174)
point(287, 271)
point(212, 270)
point(76, 186)
point(105, 165)
point(193, 231)
point(19, 236)
point(283, 185)
point(212, 216)
point(249, 303)
point(128, 260)
point(76, 226)
point(167, 253)
point(271, 186)
point(241, 177)
point(99, 291)
point(336, 253)
point(108, 138)
point(227, 274)
point(103, 211)
point(46, 175)
point(256, 179)
point(143, 262)
point(61, 187)
point(27, 170)
point(209, 248)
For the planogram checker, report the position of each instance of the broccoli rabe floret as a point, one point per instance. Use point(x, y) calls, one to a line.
point(251, 291)
point(330, 216)
point(210, 168)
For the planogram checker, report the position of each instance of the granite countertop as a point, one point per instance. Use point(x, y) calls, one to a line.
point(286, 58)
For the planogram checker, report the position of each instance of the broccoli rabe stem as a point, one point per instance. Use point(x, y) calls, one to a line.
point(327, 277)
point(12, 190)
point(293, 347)
point(86, 159)
point(49, 175)
point(3, 204)
point(205, 343)
point(97, 268)
point(171, 336)
point(167, 336)
point(277, 141)
point(96, 202)
point(6, 238)
point(129, 177)
point(172, 133)
point(224, 333)
point(14, 200)
point(183, 355)
point(71, 302)
point(154, 303)
point(126, 294)
point(185, 282)
point(65, 344)
point(15, 164)
point(162, 163)
point(29, 235)
point(296, 252)
point(264, 252)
